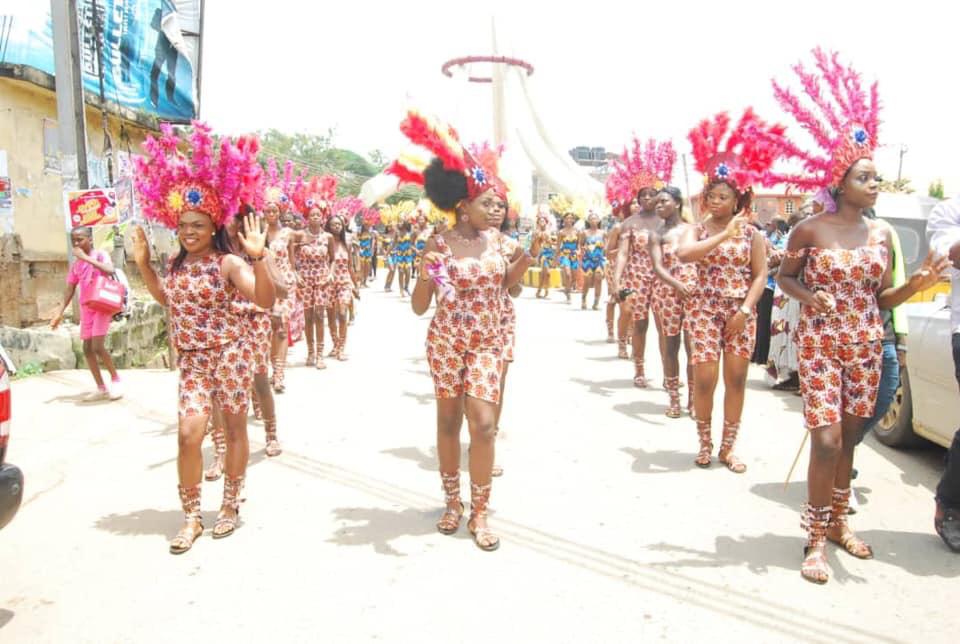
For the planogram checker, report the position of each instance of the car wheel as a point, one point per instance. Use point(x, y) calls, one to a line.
point(895, 429)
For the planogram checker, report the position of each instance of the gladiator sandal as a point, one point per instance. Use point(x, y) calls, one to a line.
point(229, 516)
point(622, 350)
point(815, 521)
point(726, 455)
point(610, 337)
point(839, 530)
point(639, 379)
point(311, 357)
point(673, 389)
point(690, 409)
point(273, 445)
point(479, 500)
point(215, 471)
point(706, 443)
point(193, 526)
point(449, 522)
point(320, 363)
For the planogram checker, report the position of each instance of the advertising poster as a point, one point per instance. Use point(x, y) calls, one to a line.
point(95, 207)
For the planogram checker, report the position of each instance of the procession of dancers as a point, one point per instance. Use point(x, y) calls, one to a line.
point(268, 259)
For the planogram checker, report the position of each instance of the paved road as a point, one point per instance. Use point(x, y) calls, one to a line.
point(609, 531)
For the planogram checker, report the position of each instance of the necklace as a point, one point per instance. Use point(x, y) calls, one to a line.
point(463, 240)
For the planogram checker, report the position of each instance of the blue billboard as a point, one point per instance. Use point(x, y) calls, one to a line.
point(147, 64)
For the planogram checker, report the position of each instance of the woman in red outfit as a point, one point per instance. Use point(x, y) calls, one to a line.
point(195, 197)
point(343, 286)
point(731, 271)
point(670, 294)
point(465, 270)
point(838, 265)
point(643, 170)
point(313, 261)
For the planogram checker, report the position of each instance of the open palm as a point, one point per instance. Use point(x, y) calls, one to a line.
point(253, 238)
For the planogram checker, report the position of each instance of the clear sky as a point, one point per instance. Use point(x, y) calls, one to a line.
point(604, 69)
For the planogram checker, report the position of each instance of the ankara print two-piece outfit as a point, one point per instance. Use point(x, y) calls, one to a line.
point(840, 353)
point(313, 264)
point(723, 279)
point(465, 341)
point(667, 305)
point(213, 353)
point(638, 273)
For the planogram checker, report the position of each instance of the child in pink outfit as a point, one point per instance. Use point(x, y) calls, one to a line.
point(93, 324)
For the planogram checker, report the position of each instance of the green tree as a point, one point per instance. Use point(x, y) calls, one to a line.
point(936, 189)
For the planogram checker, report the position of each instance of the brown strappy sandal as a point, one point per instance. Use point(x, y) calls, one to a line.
point(193, 526)
point(704, 433)
point(273, 445)
point(227, 523)
point(449, 522)
point(815, 521)
point(215, 471)
point(639, 379)
point(726, 455)
point(673, 410)
point(479, 501)
point(845, 537)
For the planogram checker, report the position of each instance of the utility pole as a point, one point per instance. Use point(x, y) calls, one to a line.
point(71, 121)
point(903, 150)
point(686, 183)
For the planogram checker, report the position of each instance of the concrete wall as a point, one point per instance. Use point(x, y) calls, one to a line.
point(138, 341)
point(37, 193)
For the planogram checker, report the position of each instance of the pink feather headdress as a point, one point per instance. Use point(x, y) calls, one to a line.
point(214, 182)
point(845, 131)
point(278, 190)
point(444, 143)
point(347, 207)
point(319, 192)
point(746, 156)
point(649, 166)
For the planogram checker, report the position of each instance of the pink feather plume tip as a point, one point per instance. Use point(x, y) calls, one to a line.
point(642, 166)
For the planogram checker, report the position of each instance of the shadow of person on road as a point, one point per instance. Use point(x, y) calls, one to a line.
point(377, 527)
point(644, 410)
point(793, 497)
point(80, 400)
point(150, 522)
point(427, 459)
point(5, 616)
point(919, 466)
point(603, 387)
point(423, 399)
point(661, 462)
point(593, 343)
point(759, 554)
point(256, 457)
point(921, 554)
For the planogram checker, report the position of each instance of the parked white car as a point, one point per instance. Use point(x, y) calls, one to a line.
point(927, 403)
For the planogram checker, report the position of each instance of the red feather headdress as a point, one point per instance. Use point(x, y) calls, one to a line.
point(640, 167)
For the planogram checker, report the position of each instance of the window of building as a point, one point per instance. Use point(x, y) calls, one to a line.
point(788, 207)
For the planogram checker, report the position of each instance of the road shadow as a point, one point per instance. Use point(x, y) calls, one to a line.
point(920, 466)
point(149, 522)
point(427, 459)
point(422, 399)
point(5, 616)
point(644, 410)
point(603, 387)
point(419, 372)
point(610, 358)
point(377, 527)
point(792, 498)
point(922, 554)
point(661, 462)
point(596, 343)
point(78, 400)
point(256, 457)
point(758, 554)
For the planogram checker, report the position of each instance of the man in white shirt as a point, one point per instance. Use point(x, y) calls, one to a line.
point(943, 231)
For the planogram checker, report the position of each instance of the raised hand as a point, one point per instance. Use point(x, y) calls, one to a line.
point(253, 237)
point(141, 248)
point(79, 254)
point(735, 226)
point(433, 257)
point(929, 273)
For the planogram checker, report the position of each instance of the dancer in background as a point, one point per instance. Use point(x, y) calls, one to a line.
point(568, 252)
point(642, 172)
point(670, 295)
point(547, 241)
point(838, 265)
point(195, 196)
point(343, 286)
point(405, 252)
point(620, 210)
point(592, 243)
point(731, 263)
point(313, 262)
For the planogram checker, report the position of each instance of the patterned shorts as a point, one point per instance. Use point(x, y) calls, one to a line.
point(705, 321)
point(839, 379)
point(260, 333)
point(218, 373)
point(639, 301)
point(457, 371)
point(314, 294)
point(340, 293)
point(668, 308)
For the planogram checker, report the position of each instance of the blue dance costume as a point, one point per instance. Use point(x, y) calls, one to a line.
point(568, 252)
point(593, 253)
